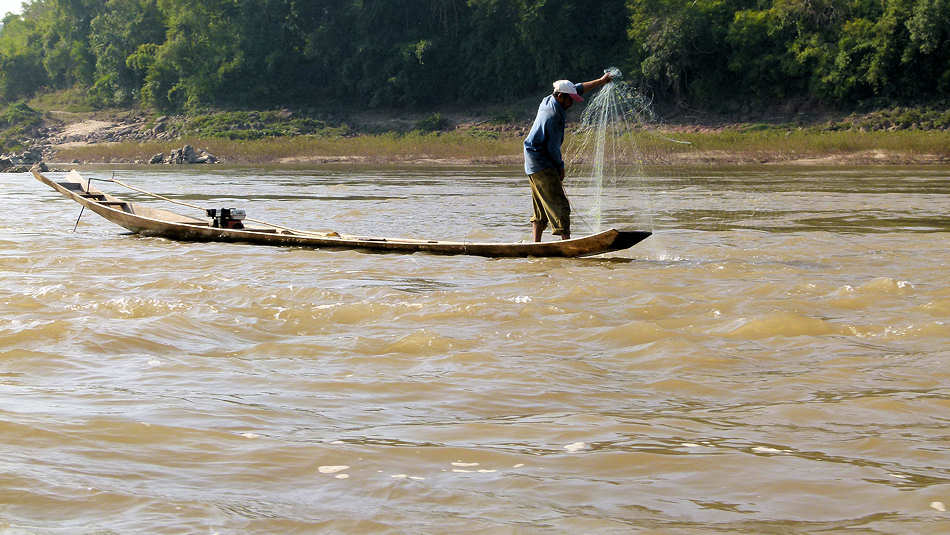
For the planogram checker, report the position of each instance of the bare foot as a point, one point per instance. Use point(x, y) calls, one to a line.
point(537, 229)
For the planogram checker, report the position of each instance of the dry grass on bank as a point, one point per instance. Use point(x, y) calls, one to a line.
point(723, 146)
point(371, 148)
point(792, 144)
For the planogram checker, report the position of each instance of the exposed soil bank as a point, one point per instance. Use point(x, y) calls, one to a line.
point(135, 138)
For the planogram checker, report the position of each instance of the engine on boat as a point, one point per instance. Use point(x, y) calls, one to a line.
point(227, 217)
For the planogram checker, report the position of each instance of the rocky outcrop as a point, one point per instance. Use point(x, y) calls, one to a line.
point(185, 155)
point(27, 157)
point(20, 163)
point(117, 129)
point(135, 128)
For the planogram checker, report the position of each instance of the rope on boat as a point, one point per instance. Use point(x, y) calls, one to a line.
point(196, 207)
point(140, 190)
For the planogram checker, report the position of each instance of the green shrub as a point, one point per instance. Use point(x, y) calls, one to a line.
point(74, 100)
point(756, 127)
point(482, 134)
point(433, 123)
point(247, 125)
point(942, 120)
point(16, 122)
point(505, 117)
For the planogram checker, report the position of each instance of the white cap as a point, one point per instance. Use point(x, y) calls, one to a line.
point(566, 87)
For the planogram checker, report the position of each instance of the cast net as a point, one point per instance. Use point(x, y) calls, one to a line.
point(605, 158)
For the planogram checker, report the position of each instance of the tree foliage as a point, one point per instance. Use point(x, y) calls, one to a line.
point(181, 54)
point(838, 51)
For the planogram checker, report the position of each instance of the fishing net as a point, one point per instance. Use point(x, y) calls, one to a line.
point(605, 157)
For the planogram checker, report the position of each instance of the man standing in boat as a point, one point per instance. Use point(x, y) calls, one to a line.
point(542, 157)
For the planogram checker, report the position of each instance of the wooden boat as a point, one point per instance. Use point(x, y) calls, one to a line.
point(163, 223)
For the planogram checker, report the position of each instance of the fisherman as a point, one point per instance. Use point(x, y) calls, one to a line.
point(542, 157)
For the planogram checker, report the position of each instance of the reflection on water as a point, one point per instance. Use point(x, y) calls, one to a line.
point(772, 360)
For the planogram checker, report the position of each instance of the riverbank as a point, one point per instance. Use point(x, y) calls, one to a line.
point(655, 147)
point(285, 137)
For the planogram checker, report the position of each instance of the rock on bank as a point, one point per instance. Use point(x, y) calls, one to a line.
point(184, 155)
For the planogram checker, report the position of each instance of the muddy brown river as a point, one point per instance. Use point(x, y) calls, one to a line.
point(775, 359)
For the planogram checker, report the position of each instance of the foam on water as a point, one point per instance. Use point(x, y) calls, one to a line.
point(332, 469)
point(576, 446)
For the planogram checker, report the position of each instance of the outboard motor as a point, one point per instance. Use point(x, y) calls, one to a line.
point(227, 217)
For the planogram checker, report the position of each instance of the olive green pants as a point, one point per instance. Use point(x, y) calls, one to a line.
point(550, 202)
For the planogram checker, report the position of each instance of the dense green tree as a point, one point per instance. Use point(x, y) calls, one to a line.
point(929, 36)
point(21, 59)
point(402, 53)
point(64, 33)
point(181, 54)
point(115, 35)
point(682, 46)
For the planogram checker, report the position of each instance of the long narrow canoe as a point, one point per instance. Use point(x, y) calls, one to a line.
point(166, 224)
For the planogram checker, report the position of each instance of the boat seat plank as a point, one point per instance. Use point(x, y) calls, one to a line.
point(121, 205)
point(72, 186)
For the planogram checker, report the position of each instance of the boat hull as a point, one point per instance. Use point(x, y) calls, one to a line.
point(161, 223)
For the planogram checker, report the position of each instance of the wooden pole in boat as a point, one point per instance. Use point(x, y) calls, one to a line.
point(77, 219)
point(83, 208)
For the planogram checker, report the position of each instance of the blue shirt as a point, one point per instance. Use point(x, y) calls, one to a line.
point(542, 147)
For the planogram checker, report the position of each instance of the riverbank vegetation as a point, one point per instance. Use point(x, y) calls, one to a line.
point(722, 55)
point(17, 122)
point(375, 148)
point(733, 145)
point(280, 80)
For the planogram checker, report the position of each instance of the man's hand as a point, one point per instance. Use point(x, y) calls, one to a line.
point(594, 84)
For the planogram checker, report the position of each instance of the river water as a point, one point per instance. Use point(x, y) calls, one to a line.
point(773, 360)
